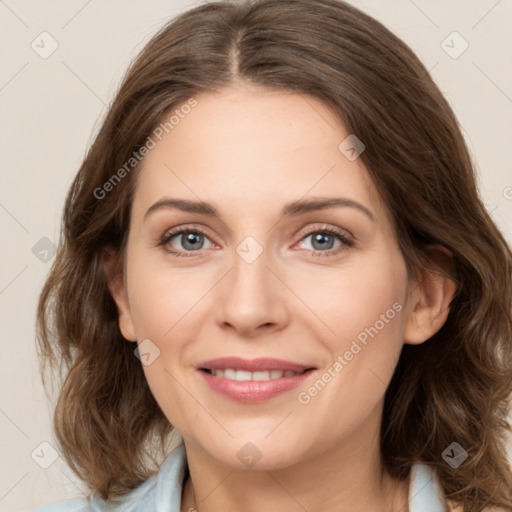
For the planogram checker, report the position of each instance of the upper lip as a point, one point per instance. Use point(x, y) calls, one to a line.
point(252, 365)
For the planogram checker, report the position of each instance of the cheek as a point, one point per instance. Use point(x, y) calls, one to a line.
point(170, 391)
point(161, 298)
point(350, 301)
point(364, 310)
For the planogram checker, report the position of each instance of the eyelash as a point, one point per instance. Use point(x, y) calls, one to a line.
point(346, 242)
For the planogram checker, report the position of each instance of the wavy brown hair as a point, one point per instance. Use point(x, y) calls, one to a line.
point(454, 387)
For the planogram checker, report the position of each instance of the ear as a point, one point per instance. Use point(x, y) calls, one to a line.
point(117, 287)
point(430, 299)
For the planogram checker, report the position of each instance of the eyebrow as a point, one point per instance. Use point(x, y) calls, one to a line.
point(292, 209)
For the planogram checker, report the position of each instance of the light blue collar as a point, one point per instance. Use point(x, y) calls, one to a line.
point(424, 490)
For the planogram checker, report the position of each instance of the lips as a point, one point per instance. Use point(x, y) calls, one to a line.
point(253, 380)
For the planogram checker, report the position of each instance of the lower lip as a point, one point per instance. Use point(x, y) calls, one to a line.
point(254, 391)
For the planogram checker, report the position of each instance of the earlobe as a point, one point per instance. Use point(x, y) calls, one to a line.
point(430, 299)
point(117, 288)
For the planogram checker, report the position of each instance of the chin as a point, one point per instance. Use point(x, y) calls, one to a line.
point(259, 455)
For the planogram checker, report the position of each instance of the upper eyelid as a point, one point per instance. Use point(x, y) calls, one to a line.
point(319, 227)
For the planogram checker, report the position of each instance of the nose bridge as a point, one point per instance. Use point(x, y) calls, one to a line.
point(250, 295)
point(250, 274)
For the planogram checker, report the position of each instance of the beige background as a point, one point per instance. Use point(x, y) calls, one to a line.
point(51, 107)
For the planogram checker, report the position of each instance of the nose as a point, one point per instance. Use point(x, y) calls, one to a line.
point(252, 298)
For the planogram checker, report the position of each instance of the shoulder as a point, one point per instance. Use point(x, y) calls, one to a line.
point(73, 505)
point(456, 507)
point(460, 508)
point(142, 496)
point(162, 491)
point(426, 492)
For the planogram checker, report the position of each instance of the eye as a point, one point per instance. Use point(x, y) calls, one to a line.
point(323, 240)
point(191, 240)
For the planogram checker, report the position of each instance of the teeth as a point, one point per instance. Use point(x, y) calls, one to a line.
point(243, 375)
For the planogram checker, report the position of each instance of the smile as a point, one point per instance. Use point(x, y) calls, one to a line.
point(252, 380)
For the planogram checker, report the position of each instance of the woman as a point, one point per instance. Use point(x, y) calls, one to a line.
point(339, 338)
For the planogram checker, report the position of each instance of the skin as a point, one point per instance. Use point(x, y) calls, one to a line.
point(248, 151)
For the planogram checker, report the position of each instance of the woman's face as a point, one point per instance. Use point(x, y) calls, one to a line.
point(325, 289)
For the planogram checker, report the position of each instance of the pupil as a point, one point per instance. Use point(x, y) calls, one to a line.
point(191, 238)
point(323, 240)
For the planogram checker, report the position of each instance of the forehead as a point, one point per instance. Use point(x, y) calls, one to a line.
point(245, 146)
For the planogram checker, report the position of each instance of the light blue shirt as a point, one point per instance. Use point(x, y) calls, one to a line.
point(162, 492)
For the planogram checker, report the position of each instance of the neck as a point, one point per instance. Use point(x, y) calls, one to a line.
point(348, 477)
